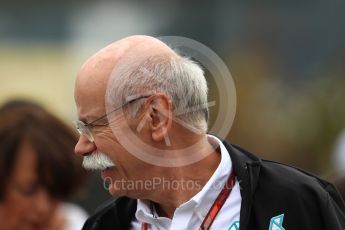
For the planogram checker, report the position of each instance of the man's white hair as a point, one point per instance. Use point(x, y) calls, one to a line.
point(180, 78)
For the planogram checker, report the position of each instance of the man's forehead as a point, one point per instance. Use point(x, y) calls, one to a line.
point(90, 115)
point(96, 71)
point(90, 89)
point(89, 105)
point(90, 95)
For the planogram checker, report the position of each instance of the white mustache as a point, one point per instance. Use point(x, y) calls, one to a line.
point(97, 161)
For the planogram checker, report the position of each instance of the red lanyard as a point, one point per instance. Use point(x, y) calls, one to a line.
point(217, 205)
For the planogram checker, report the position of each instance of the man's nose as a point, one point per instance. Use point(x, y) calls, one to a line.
point(84, 146)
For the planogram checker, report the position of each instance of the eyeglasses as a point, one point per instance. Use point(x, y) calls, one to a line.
point(85, 128)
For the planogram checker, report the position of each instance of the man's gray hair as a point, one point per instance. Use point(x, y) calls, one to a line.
point(180, 78)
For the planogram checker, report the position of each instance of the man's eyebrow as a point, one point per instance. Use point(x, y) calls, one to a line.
point(87, 119)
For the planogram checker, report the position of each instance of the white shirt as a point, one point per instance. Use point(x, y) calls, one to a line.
point(191, 214)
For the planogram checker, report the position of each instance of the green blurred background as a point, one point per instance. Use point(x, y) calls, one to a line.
point(286, 58)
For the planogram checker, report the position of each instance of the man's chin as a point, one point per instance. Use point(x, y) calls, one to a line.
point(117, 191)
point(107, 173)
point(113, 185)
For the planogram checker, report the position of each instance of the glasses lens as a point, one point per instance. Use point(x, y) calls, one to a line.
point(83, 130)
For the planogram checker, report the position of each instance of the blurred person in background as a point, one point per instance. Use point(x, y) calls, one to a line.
point(338, 160)
point(38, 170)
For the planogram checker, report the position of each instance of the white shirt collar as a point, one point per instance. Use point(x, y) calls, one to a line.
point(203, 200)
point(208, 194)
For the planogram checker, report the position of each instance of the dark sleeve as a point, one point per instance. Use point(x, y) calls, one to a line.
point(91, 223)
point(114, 215)
point(99, 220)
point(333, 209)
point(86, 225)
point(307, 202)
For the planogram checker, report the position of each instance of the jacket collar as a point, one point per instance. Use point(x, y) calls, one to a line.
point(247, 169)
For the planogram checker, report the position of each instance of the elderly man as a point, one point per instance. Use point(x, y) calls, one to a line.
point(133, 100)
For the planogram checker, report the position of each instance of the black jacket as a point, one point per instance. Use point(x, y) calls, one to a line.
point(268, 189)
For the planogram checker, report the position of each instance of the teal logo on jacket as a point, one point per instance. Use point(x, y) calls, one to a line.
point(276, 223)
point(235, 225)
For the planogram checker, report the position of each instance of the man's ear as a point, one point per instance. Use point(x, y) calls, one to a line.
point(161, 116)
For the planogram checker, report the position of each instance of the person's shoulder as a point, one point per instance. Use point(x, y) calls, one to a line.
point(292, 181)
point(290, 175)
point(284, 179)
point(280, 174)
point(103, 210)
point(109, 214)
point(306, 200)
point(296, 189)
